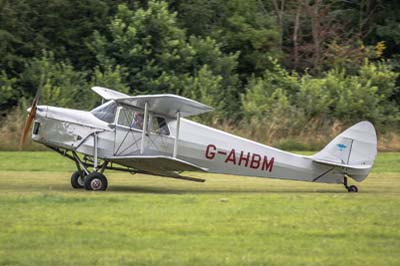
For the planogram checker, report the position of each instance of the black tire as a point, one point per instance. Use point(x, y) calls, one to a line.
point(96, 181)
point(77, 179)
point(352, 189)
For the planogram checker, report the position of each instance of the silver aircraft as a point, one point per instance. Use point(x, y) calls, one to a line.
point(150, 134)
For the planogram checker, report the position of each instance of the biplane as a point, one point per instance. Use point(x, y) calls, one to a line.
point(151, 134)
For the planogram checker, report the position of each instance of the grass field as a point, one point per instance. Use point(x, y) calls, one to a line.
point(147, 220)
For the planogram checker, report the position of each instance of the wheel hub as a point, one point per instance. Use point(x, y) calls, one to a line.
point(81, 181)
point(96, 184)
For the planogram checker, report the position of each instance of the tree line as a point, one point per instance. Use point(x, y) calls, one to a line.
point(281, 63)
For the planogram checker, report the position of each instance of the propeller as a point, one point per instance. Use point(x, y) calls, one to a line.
point(31, 115)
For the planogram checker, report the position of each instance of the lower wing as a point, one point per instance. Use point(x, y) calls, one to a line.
point(160, 165)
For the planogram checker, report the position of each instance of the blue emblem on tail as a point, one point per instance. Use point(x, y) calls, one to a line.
point(341, 147)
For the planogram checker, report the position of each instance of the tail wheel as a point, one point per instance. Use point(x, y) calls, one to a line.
point(96, 181)
point(77, 179)
point(352, 188)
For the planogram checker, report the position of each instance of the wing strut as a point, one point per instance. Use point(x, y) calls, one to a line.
point(144, 129)
point(178, 123)
point(95, 161)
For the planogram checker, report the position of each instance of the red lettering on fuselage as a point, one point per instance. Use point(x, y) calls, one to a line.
point(231, 157)
point(267, 165)
point(242, 158)
point(252, 160)
point(210, 151)
point(255, 161)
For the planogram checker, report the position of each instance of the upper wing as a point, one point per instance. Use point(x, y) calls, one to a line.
point(108, 94)
point(165, 104)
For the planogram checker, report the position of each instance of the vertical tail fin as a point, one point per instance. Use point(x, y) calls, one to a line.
point(355, 148)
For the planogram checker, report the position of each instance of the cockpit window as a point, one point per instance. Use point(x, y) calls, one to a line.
point(106, 112)
point(159, 126)
point(134, 119)
point(131, 118)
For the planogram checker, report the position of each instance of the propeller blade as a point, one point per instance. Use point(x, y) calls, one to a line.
point(28, 123)
point(32, 113)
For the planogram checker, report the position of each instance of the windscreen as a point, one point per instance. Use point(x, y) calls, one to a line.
point(105, 112)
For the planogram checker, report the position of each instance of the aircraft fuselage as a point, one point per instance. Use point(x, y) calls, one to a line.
point(213, 149)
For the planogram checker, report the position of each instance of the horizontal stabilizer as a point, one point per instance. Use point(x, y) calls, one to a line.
point(355, 167)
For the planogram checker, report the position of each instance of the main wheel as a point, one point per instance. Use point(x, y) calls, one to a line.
point(77, 179)
point(95, 181)
point(352, 188)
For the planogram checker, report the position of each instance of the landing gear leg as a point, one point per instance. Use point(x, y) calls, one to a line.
point(96, 180)
point(84, 177)
point(351, 188)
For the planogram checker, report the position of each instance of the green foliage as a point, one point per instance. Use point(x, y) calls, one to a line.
point(158, 56)
point(262, 104)
point(60, 84)
point(334, 96)
point(220, 68)
point(206, 88)
point(268, 98)
point(312, 97)
point(292, 145)
point(362, 96)
point(29, 26)
point(252, 31)
point(145, 42)
point(7, 88)
point(110, 77)
point(240, 26)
